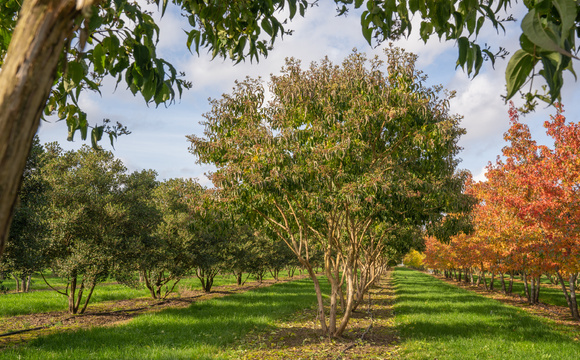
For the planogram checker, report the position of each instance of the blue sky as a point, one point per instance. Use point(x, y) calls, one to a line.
point(158, 134)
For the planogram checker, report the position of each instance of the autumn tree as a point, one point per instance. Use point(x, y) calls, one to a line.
point(337, 150)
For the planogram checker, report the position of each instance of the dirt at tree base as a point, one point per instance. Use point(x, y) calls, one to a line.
point(110, 313)
point(369, 334)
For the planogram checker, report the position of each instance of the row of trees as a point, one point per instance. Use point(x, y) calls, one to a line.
point(353, 160)
point(83, 217)
point(527, 217)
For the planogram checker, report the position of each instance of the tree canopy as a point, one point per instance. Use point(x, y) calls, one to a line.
point(337, 151)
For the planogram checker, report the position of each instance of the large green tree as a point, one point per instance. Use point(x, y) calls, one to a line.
point(87, 214)
point(338, 150)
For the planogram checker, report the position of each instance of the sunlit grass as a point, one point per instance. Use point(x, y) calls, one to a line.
point(439, 320)
point(12, 304)
point(205, 330)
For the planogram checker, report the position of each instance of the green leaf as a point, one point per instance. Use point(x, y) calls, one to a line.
point(517, 71)
point(545, 38)
point(267, 26)
point(96, 135)
point(72, 125)
point(83, 125)
point(112, 137)
point(463, 44)
point(76, 72)
point(478, 59)
point(425, 30)
point(568, 10)
point(552, 73)
point(292, 5)
point(99, 58)
point(527, 45)
point(366, 29)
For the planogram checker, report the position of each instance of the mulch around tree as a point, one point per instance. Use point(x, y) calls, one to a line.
point(22, 328)
point(370, 334)
point(559, 314)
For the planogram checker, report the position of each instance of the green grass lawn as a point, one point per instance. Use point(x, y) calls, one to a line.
point(437, 320)
point(13, 304)
point(205, 330)
point(548, 295)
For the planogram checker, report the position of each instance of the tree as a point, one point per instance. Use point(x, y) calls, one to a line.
point(53, 49)
point(166, 256)
point(86, 215)
point(139, 233)
point(55, 33)
point(337, 150)
point(24, 249)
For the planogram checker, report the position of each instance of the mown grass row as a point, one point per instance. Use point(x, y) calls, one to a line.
point(205, 330)
point(549, 293)
point(437, 320)
point(12, 304)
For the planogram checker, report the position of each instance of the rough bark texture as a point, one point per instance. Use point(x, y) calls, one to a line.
point(25, 82)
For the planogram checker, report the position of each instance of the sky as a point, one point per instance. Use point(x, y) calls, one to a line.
point(158, 138)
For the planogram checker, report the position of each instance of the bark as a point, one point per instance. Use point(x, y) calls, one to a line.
point(491, 281)
point(532, 290)
point(511, 284)
point(17, 282)
point(482, 275)
point(503, 288)
point(319, 299)
point(526, 287)
point(573, 302)
point(25, 81)
point(93, 285)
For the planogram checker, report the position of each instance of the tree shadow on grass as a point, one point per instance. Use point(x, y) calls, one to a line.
point(435, 313)
point(199, 331)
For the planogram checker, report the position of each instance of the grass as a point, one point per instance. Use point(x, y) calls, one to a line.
point(205, 330)
point(439, 320)
point(13, 304)
point(45, 301)
point(548, 295)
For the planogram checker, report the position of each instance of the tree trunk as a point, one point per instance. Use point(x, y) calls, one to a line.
point(511, 285)
point(491, 281)
point(17, 282)
point(319, 299)
point(526, 287)
point(25, 81)
point(573, 302)
point(93, 285)
point(503, 289)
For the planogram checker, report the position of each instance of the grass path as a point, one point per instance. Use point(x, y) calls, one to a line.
point(437, 320)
